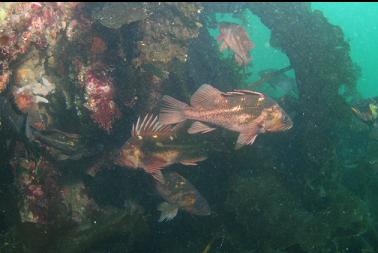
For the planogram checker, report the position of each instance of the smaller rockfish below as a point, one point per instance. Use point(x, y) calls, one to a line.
point(153, 146)
point(179, 193)
point(247, 112)
point(233, 36)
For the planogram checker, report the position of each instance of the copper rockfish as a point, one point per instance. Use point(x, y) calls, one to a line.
point(153, 146)
point(247, 112)
point(180, 194)
point(233, 36)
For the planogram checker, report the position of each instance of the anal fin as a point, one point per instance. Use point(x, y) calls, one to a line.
point(245, 139)
point(198, 127)
point(168, 211)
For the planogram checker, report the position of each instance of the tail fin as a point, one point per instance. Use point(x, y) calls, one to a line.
point(172, 111)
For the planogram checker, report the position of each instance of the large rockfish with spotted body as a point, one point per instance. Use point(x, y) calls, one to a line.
point(247, 112)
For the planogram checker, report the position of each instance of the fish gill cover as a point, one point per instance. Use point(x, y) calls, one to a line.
point(113, 114)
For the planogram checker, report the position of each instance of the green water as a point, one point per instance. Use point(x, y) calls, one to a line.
point(263, 55)
point(359, 22)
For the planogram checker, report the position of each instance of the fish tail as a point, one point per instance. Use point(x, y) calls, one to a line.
point(172, 112)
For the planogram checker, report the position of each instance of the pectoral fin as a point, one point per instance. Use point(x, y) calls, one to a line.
point(154, 168)
point(158, 176)
point(223, 46)
point(154, 163)
point(242, 60)
point(220, 38)
point(198, 127)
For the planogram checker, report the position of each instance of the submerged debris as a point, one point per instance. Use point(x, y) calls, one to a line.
point(167, 33)
point(115, 15)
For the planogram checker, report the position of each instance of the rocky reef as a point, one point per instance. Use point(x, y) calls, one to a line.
point(75, 76)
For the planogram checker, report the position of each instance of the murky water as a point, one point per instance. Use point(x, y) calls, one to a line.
point(188, 127)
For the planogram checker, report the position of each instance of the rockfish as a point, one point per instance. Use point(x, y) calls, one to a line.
point(180, 194)
point(153, 146)
point(247, 112)
point(233, 36)
point(368, 116)
point(280, 80)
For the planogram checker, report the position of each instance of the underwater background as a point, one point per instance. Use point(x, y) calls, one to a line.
point(359, 29)
point(82, 144)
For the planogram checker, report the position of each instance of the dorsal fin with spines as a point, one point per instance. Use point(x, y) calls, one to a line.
point(149, 125)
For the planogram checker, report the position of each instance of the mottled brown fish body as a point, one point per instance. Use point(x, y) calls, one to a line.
point(247, 112)
point(236, 118)
point(146, 153)
point(180, 192)
point(152, 147)
point(136, 156)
